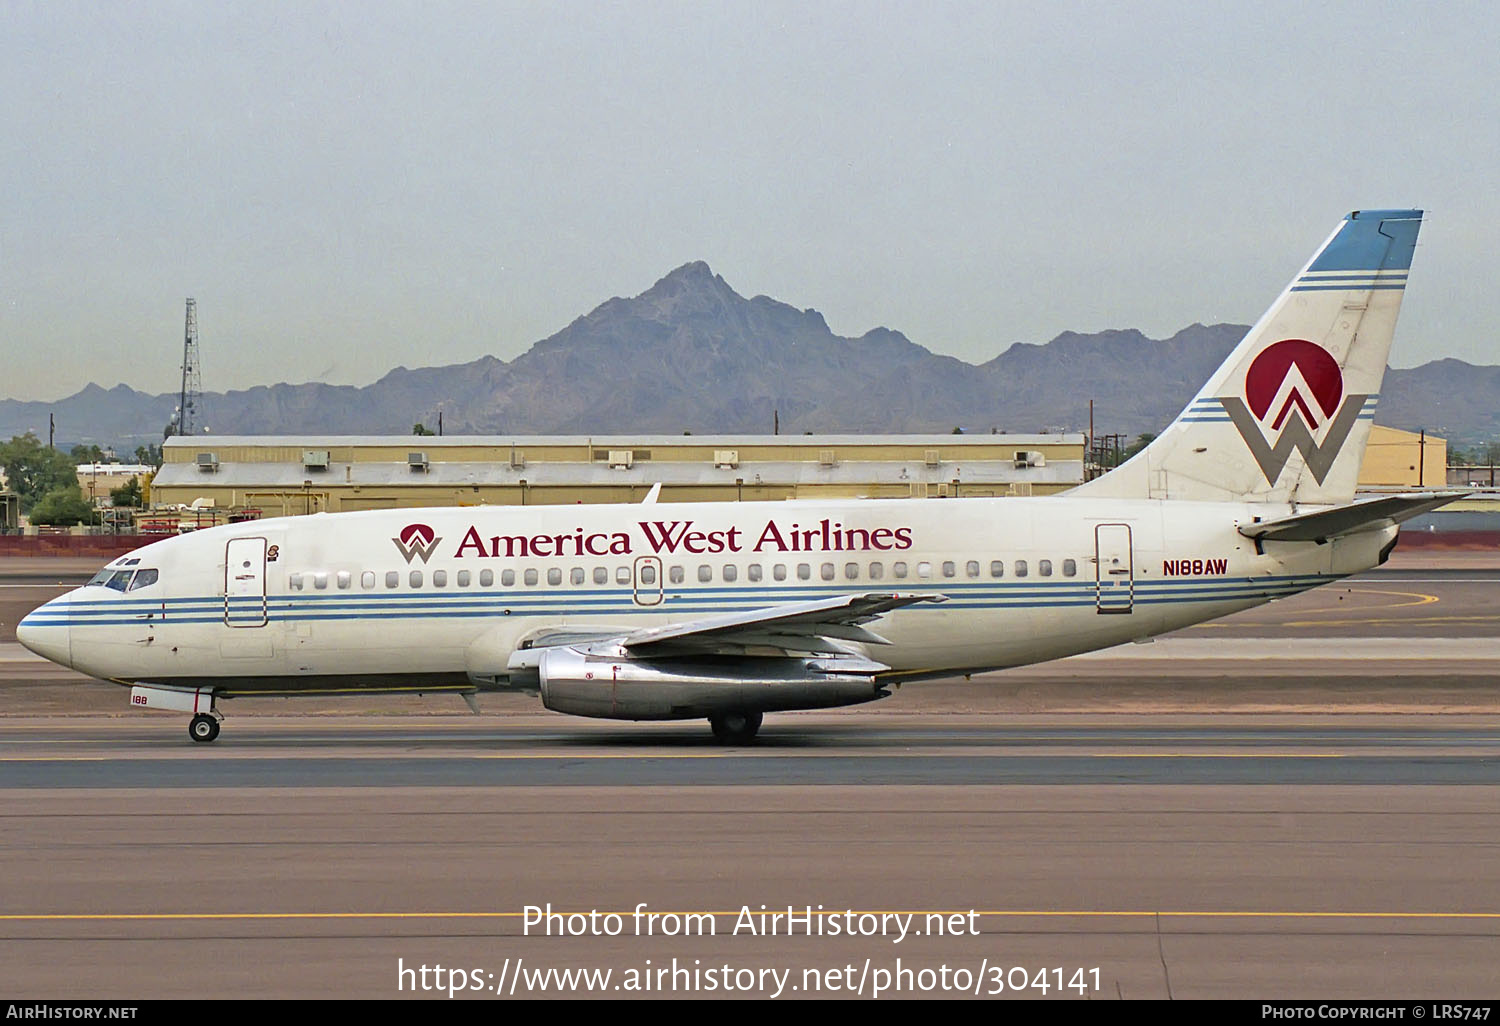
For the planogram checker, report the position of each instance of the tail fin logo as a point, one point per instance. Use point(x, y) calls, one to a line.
point(1295, 389)
point(417, 540)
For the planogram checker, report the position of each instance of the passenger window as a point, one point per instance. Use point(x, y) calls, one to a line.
point(622, 575)
point(948, 568)
point(972, 568)
point(577, 575)
point(320, 580)
point(415, 579)
point(677, 575)
point(1044, 567)
point(143, 579)
point(344, 578)
point(392, 579)
point(507, 578)
point(898, 570)
point(877, 571)
point(554, 576)
point(464, 578)
point(1070, 568)
point(648, 573)
point(804, 571)
point(851, 571)
point(367, 580)
point(705, 573)
point(730, 572)
point(779, 571)
point(293, 582)
point(1020, 568)
point(530, 578)
point(997, 568)
point(601, 575)
point(753, 571)
point(924, 569)
point(440, 578)
point(826, 571)
point(486, 578)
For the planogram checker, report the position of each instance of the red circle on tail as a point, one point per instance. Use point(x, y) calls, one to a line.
point(1270, 368)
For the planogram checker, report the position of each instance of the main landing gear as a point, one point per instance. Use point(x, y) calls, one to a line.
point(736, 728)
point(203, 728)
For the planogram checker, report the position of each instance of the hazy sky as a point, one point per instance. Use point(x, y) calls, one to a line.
point(347, 187)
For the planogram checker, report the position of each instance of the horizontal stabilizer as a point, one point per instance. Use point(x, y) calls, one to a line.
point(1369, 515)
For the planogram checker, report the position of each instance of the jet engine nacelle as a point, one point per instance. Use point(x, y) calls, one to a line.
point(610, 686)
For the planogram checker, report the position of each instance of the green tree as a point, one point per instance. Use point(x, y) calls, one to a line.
point(421, 429)
point(86, 454)
point(128, 494)
point(1141, 441)
point(148, 455)
point(63, 507)
point(33, 470)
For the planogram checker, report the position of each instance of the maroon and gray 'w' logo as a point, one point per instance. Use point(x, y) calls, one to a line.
point(1294, 387)
point(417, 540)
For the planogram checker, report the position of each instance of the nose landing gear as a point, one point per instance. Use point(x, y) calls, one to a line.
point(204, 726)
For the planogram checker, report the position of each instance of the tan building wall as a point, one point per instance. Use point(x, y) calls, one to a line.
point(1403, 459)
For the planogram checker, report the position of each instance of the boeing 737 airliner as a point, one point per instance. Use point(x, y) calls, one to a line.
point(731, 610)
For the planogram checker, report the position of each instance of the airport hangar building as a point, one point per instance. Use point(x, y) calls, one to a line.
point(281, 475)
point(306, 474)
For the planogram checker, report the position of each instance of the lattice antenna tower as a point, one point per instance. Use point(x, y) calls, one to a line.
point(189, 403)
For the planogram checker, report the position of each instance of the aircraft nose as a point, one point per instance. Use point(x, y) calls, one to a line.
point(45, 631)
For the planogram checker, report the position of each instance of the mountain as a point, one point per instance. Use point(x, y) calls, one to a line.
point(691, 354)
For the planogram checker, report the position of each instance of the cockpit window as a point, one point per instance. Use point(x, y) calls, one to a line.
point(120, 579)
point(143, 579)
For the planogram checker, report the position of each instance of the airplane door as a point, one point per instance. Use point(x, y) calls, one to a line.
point(1114, 568)
point(245, 582)
point(647, 581)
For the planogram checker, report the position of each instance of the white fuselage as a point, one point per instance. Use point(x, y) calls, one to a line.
point(332, 602)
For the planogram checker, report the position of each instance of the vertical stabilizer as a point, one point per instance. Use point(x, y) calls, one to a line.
point(1287, 416)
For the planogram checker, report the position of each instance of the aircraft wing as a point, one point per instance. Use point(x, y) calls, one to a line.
point(1351, 519)
point(789, 629)
point(792, 626)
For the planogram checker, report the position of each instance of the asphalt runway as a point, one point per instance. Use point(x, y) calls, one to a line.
point(1181, 890)
point(1299, 802)
point(803, 750)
